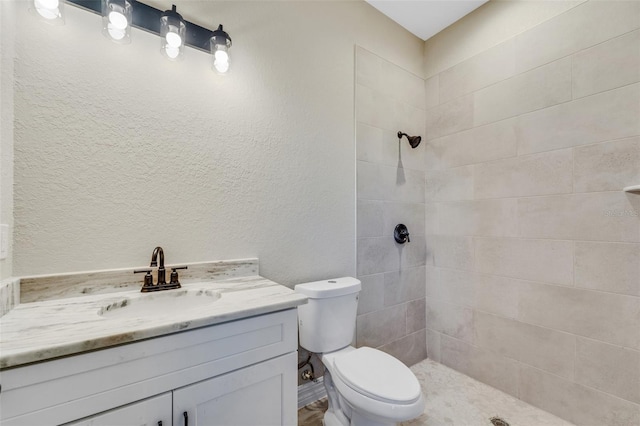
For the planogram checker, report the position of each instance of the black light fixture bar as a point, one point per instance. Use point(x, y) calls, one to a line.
point(147, 18)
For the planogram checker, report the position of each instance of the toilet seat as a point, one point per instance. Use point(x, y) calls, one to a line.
point(393, 404)
point(377, 375)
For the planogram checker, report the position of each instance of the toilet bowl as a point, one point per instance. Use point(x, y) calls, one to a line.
point(364, 386)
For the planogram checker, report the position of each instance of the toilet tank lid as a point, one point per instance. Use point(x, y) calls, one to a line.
point(329, 288)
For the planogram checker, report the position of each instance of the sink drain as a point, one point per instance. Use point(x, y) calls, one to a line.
point(497, 421)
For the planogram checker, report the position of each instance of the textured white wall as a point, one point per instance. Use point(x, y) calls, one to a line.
point(118, 150)
point(7, 26)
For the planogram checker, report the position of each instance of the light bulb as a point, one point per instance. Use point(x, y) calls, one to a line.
point(221, 56)
point(116, 33)
point(118, 20)
point(221, 66)
point(48, 9)
point(172, 52)
point(173, 39)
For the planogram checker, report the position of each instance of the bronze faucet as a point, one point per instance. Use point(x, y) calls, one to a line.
point(162, 277)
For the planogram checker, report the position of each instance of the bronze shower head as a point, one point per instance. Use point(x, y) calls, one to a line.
point(414, 141)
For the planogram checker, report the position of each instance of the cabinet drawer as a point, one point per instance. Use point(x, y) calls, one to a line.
point(66, 389)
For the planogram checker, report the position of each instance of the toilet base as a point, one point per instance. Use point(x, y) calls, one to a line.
point(340, 413)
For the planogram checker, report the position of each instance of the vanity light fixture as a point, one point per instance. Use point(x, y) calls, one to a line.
point(172, 34)
point(50, 10)
point(116, 20)
point(220, 44)
point(118, 16)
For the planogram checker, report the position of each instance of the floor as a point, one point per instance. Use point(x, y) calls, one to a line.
point(455, 399)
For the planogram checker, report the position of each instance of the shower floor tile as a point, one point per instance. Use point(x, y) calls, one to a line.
point(455, 399)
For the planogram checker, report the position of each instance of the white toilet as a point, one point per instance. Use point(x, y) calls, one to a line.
point(365, 386)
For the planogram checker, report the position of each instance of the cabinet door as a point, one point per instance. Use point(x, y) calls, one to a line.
point(263, 394)
point(154, 411)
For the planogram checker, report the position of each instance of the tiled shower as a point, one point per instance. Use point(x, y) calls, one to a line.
point(530, 263)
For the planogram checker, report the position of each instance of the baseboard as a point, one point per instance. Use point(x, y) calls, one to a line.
point(311, 392)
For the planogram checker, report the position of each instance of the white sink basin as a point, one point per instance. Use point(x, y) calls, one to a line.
point(160, 304)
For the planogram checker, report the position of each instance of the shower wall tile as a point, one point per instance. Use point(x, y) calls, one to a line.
point(369, 143)
point(597, 216)
point(431, 283)
point(368, 68)
point(537, 260)
point(607, 166)
point(496, 218)
point(376, 255)
point(585, 25)
point(431, 219)
point(538, 174)
point(401, 84)
point(433, 345)
point(449, 185)
point(453, 252)
point(608, 65)
point(371, 297)
point(452, 320)
point(577, 403)
point(410, 214)
point(370, 219)
point(481, 364)
point(608, 368)
point(455, 286)
point(602, 117)
point(485, 143)
point(533, 283)
point(404, 285)
point(497, 295)
point(410, 349)
point(412, 254)
point(380, 327)
point(402, 184)
point(611, 267)
point(432, 91)
point(606, 317)
point(549, 350)
point(369, 181)
point(416, 315)
point(391, 190)
point(489, 67)
point(539, 88)
point(450, 117)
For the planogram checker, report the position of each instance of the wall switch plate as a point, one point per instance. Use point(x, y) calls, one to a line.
point(4, 241)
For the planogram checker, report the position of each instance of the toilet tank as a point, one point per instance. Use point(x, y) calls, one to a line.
point(328, 321)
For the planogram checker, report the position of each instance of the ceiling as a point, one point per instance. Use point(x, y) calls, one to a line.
point(425, 18)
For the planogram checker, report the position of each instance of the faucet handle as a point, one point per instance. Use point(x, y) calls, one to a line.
point(148, 278)
point(174, 274)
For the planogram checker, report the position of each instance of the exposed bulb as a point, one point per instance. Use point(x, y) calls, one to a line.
point(221, 56)
point(118, 20)
point(173, 39)
point(116, 33)
point(48, 9)
point(221, 66)
point(172, 52)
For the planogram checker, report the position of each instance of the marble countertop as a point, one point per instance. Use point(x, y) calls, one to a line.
point(47, 329)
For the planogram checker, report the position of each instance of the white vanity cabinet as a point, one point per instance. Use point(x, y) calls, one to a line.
point(154, 411)
point(241, 372)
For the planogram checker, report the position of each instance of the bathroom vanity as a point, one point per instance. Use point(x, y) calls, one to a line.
point(109, 359)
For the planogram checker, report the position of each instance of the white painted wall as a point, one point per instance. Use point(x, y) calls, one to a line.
point(7, 25)
point(118, 150)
